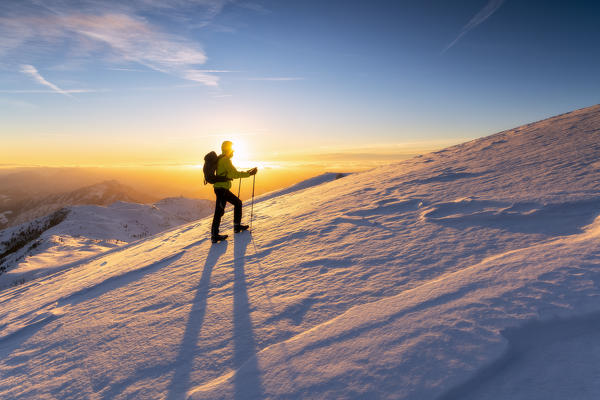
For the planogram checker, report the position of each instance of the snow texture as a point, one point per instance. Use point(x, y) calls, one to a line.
point(90, 230)
point(469, 273)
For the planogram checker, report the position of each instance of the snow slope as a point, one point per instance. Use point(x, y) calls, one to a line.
point(305, 184)
point(89, 230)
point(470, 273)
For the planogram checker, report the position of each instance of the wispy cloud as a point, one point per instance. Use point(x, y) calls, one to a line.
point(67, 91)
point(31, 71)
point(257, 7)
point(490, 8)
point(278, 79)
point(137, 41)
point(217, 71)
point(112, 31)
point(127, 69)
point(202, 77)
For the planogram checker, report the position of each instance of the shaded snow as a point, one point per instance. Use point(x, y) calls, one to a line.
point(3, 219)
point(453, 275)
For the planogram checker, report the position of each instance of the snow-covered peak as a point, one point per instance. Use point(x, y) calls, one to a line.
point(103, 194)
point(418, 280)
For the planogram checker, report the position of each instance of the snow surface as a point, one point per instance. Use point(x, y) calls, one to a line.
point(308, 183)
point(91, 230)
point(469, 273)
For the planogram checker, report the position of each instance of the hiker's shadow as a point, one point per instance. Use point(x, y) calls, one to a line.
point(187, 350)
point(247, 383)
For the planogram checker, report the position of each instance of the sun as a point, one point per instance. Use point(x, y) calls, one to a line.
point(244, 156)
point(240, 149)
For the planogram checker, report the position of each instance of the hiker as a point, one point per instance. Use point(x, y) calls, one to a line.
point(225, 169)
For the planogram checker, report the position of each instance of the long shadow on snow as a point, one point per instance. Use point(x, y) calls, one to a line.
point(183, 362)
point(247, 383)
point(522, 340)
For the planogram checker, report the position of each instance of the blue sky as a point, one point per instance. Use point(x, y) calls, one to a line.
point(148, 81)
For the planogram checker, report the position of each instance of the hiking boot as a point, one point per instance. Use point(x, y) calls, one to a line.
point(217, 238)
point(239, 228)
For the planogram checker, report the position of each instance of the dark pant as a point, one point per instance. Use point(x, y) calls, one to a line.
point(224, 196)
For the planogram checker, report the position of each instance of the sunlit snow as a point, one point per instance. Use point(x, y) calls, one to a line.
point(469, 273)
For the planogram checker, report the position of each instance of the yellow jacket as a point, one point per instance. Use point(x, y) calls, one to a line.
point(226, 168)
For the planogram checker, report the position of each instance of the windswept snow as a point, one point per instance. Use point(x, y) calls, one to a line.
point(88, 231)
point(305, 184)
point(470, 273)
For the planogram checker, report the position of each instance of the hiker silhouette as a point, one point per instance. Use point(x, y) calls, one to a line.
point(225, 169)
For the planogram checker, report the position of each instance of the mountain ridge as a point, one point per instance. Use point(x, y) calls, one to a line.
point(103, 193)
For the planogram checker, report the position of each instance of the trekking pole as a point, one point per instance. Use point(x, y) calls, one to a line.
point(252, 207)
point(239, 188)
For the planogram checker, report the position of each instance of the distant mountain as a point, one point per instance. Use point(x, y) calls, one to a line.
point(76, 232)
point(43, 181)
point(17, 207)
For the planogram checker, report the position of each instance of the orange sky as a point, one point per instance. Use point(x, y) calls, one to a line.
point(125, 151)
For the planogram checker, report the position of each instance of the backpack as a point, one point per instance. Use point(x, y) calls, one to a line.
point(210, 168)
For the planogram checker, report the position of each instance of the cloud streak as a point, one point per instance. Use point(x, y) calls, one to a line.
point(202, 77)
point(111, 29)
point(487, 11)
point(67, 91)
point(137, 41)
point(32, 72)
point(277, 79)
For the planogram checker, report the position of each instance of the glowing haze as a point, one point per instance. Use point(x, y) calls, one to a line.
point(142, 83)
